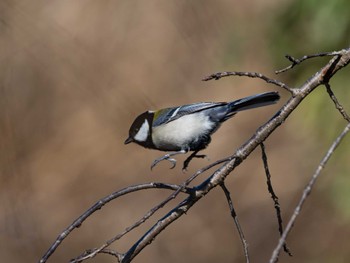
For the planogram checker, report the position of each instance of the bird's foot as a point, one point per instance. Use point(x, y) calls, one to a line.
point(189, 159)
point(167, 157)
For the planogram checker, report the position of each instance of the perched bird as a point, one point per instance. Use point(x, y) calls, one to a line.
point(189, 127)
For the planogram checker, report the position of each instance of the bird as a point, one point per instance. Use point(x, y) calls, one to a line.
point(188, 128)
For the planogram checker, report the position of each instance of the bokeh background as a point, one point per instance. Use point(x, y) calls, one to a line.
point(74, 74)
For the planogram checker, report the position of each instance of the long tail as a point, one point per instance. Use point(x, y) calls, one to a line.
point(254, 101)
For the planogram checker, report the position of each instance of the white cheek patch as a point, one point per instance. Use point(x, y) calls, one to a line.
point(142, 134)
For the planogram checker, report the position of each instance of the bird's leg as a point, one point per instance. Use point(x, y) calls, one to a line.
point(167, 157)
point(189, 159)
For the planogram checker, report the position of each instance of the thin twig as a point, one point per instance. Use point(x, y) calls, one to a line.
point(306, 192)
point(99, 204)
point(219, 75)
point(93, 252)
point(175, 213)
point(338, 106)
point(273, 196)
point(296, 61)
point(235, 219)
point(206, 168)
point(112, 252)
point(90, 253)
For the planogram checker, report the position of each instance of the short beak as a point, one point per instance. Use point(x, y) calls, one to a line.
point(128, 140)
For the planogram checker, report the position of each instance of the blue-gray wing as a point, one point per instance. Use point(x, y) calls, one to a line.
point(171, 114)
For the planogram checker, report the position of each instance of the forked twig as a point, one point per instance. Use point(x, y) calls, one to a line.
point(90, 253)
point(297, 61)
point(99, 204)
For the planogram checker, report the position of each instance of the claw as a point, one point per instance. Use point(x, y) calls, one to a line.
point(154, 164)
point(173, 161)
point(167, 157)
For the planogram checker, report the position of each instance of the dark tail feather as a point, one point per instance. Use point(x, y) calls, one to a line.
point(251, 102)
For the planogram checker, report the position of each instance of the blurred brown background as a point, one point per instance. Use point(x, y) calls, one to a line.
point(74, 74)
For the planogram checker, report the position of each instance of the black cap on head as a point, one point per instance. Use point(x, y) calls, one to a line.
point(136, 126)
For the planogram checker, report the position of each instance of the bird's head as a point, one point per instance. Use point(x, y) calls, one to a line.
point(140, 130)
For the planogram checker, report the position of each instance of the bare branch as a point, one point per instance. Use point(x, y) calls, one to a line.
point(235, 219)
point(219, 176)
point(296, 61)
point(243, 152)
point(90, 254)
point(273, 196)
point(339, 107)
point(78, 222)
point(341, 59)
point(220, 75)
point(306, 192)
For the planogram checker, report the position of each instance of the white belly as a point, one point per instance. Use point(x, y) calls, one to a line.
point(176, 134)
